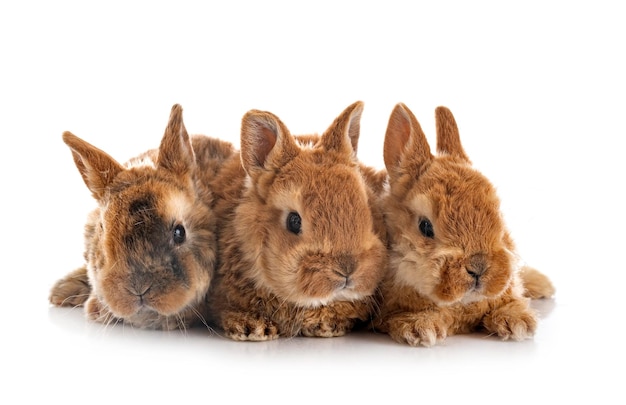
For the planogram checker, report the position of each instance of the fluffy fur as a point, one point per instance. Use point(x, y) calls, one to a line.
point(453, 265)
point(301, 242)
point(150, 245)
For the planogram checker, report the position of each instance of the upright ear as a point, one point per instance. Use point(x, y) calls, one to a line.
point(175, 152)
point(405, 148)
point(448, 138)
point(96, 167)
point(343, 134)
point(265, 142)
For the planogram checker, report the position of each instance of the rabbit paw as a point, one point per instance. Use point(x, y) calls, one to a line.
point(422, 328)
point(536, 284)
point(244, 326)
point(72, 290)
point(97, 312)
point(513, 321)
point(315, 327)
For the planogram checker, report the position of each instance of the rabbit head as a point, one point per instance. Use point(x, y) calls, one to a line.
point(150, 244)
point(449, 239)
point(306, 223)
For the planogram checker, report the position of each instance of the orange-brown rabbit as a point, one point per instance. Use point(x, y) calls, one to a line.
point(453, 264)
point(150, 245)
point(301, 243)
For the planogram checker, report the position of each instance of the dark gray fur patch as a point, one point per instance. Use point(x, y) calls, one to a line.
point(148, 239)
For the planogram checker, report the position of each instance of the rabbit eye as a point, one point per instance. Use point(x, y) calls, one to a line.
point(426, 228)
point(179, 234)
point(294, 222)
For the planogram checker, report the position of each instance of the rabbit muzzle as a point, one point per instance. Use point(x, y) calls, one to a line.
point(330, 277)
point(476, 267)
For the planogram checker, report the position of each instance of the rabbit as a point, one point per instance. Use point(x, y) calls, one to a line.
point(150, 245)
point(453, 264)
point(302, 245)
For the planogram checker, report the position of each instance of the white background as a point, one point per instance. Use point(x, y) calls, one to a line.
point(537, 89)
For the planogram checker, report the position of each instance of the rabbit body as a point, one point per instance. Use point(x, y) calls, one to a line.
point(150, 245)
point(301, 240)
point(453, 265)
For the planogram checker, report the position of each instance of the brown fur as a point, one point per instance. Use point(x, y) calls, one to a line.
point(536, 284)
point(272, 281)
point(458, 274)
point(139, 268)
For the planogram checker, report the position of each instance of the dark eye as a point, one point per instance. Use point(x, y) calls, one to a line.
point(179, 234)
point(294, 222)
point(426, 228)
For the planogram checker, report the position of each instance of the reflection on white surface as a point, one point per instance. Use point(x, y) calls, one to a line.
point(204, 342)
point(77, 357)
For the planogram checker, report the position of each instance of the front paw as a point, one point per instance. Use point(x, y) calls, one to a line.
point(72, 290)
point(96, 311)
point(315, 327)
point(248, 327)
point(513, 321)
point(417, 328)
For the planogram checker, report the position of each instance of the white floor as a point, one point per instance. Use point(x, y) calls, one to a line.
point(538, 94)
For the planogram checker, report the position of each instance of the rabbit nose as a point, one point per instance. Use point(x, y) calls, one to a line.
point(476, 266)
point(139, 285)
point(345, 265)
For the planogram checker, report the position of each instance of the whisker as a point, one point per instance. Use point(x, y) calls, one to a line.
point(200, 317)
point(72, 297)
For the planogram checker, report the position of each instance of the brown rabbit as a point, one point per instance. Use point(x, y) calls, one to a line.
point(301, 243)
point(150, 245)
point(453, 265)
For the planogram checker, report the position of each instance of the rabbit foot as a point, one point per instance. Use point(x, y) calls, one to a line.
point(247, 327)
point(326, 328)
point(72, 290)
point(536, 284)
point(415, 329)
point(513, 321)
point(97, 312)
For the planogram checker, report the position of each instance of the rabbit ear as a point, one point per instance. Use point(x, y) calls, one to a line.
point(405, 146)
point(448, 138)
point(343, 134)
point(96, 167)
point(265, 142)
point(175, 152)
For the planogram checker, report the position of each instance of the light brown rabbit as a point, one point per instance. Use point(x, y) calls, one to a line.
point(301, 243)
point(453, 264)
point(150, 245)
